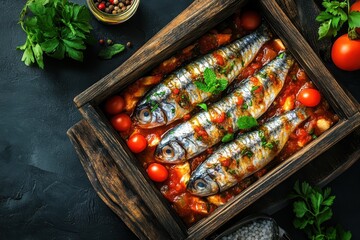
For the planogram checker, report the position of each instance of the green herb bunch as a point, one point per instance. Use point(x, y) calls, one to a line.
point(335, 15)
point(312, 208)
point(56, 27)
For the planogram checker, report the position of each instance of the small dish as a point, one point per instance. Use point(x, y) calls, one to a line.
point(276, 232)
point(113, 19)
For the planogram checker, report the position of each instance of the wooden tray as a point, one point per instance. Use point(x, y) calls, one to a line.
point(118, 177)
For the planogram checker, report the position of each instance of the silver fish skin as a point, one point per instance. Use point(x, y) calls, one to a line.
point(183, 142)
point(161, 106)
point(245, 155)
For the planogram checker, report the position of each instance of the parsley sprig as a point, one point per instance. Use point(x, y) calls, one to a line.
point(57, 28)
point(312, 208)
point(335, 15)
point(211, 84)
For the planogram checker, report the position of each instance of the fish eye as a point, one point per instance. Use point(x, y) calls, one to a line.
point(200, 184)
point(145, 115)
point(168, 151)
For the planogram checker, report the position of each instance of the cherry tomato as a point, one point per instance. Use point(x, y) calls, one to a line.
point(309, 97)
point(356, 7)
point(121, 122)
point(137, 143)
point(345, 53)
point(157, 172)
point(114, 105)
point(250, 20)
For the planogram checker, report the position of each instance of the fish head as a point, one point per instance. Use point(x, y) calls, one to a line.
point(170, 152)
point(147, 116)
point(201, 183)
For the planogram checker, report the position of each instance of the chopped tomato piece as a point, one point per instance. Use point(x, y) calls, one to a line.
point(225, 162)
point(223, 39)
point(187, 117)
point(240, 101)
point(219, 59)
point(220, 118)
point(176, 91)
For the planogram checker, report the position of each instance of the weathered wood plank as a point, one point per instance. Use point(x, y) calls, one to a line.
point(111, 185)
point(199, 17)
point(304, 54)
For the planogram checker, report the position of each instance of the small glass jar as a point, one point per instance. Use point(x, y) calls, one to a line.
point(110, 18)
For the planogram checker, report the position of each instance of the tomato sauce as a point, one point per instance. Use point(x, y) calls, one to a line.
point(192, 208)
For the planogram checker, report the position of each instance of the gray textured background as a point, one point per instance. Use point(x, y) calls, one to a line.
point(44, 192)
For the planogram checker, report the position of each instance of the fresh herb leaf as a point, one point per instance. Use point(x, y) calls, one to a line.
point(211, 84)
point(247, 152)
point(110, 51)
point(244, 106)
point(203, 106)
point(312, 209)
point(57, 28)
point(228, 138)
point(354, 19)
point(246, 122)
point(254, 88)
point(335, 15)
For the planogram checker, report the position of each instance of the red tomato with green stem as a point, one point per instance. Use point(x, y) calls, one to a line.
point(121, 122)
point(137, 143)
point(309, 97)
point(157, 172)
point(250, 20)
point(345, 53)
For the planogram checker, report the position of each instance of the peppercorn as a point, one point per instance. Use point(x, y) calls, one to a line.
point(101, 41)
point(113, 6)
point(109, 42)
point(128, 44)
point(101, 6)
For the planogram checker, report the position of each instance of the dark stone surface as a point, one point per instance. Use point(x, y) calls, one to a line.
point(44, 192)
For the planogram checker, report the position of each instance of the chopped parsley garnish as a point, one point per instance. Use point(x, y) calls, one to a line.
point(232, 171)
point(160, 94)
point(203, 106)
point(313, 136)
point(211, 84)
point(281, 55)
point(154, 107)
point(265, 143)
point(254, 88)
point(228, 138)
point(173, 110)
point(246, 122)
point(244, 106)
point(262, 74)
point(247, 152)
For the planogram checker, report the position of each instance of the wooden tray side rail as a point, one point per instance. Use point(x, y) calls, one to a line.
point(111, 185)
point(131, 174)
point(134, 172)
